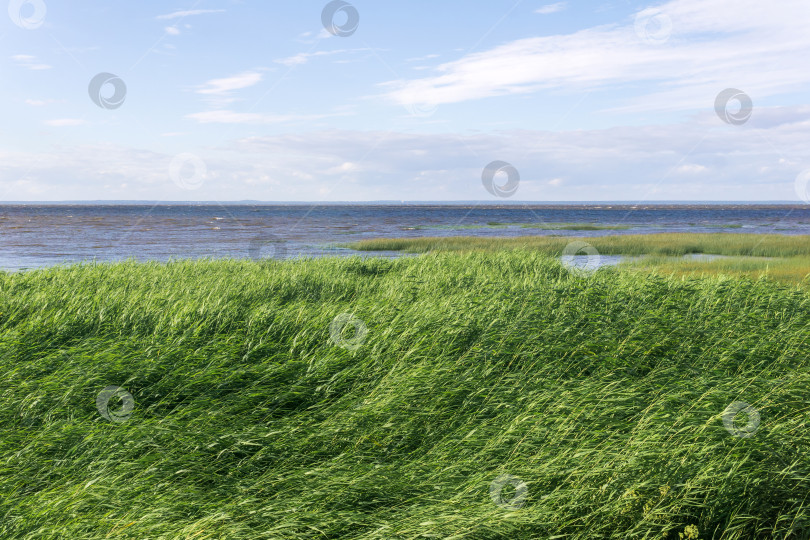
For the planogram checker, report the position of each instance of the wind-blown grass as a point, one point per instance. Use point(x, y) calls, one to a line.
point(672, 244)
point(602, 393)
point(544, 226)
point(791, 270)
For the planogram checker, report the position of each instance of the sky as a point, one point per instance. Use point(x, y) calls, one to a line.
point(228, 100)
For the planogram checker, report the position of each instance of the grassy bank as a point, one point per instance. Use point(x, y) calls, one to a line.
point(788, 270)
point(543, 226)
point(782, 258)
point(668, 244)
point(252, 415)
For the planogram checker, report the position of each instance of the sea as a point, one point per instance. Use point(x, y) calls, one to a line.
point(36, 235)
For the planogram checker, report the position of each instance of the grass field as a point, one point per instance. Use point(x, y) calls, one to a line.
point(342, 398)
point(670, 244)
point(544, 226)
point(789, 270)
point(783, 258)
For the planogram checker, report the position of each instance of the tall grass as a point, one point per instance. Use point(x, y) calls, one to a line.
point(790, 270)
point(544, 226)
point(603, 394)
point(672, 244)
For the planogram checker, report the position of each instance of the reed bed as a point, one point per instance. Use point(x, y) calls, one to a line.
point(788, 270)
point(544, 226)
point(668, 244)
point(600, 399)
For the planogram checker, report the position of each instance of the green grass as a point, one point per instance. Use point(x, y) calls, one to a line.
point(782, 258)
point(790, 270)
point(573, 226)
point(544, 226)
point(672, 244)
point(602, 393)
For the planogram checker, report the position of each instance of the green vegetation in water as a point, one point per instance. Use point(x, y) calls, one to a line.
point(456, 227)
point(790, 270)
point(544, 226)
point(721, 226)
point(602, 397)
point(672, 244)
point(782, 258)
point(573, 227)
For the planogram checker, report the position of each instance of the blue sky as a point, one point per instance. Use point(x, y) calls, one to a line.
point(232, 100)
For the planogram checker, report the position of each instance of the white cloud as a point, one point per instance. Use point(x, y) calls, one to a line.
point(422, 58)
point(551, 8)
point(685, 161)
point(224, 86)
point(188, 13)
point(713, 45)
point(300, 58)
point(62, 122)
point(29, 62)
point(231, 117)
point(172, 30)
point(41, 102)
point(228, 117)
point(691, 168)
point(303, 58)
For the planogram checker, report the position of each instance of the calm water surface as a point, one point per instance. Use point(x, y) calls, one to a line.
point(43, 235)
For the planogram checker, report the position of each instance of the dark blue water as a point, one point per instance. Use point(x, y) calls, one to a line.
point(44, 235)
